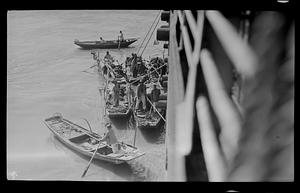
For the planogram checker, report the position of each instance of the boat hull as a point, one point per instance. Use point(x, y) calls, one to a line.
point(119, 115)
point(77, 140)
point(105, 45)
point(148, 125)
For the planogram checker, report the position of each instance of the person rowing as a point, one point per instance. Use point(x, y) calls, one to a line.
point(111, 139)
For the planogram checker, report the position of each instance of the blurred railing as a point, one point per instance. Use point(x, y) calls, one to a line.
point(205, 121)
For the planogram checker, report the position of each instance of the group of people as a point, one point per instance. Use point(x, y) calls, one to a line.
point(135, 66)
point(138, 96)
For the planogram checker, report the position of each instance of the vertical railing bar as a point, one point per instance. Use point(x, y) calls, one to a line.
point(180, 16)
point(185, 110)
point(198, 37)
point(214, 160)
point(227, 114)
point(236, 48)
point(186, 40)
point(175, 161)
point(187, 45)
point(192, 23)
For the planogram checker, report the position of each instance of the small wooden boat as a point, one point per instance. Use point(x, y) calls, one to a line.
point(86, 142)
point(145, 121)
point(123, 110)
point(106, 44)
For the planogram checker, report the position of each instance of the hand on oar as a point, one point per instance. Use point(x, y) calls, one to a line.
point(85, 171)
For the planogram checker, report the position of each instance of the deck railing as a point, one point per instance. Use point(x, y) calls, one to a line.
point(205, 122)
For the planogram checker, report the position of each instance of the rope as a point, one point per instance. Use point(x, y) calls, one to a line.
point(149, 38)
point(148, 31)
point(156, 109)
point(148, 73)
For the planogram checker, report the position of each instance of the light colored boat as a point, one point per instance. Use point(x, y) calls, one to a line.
point(86, 142)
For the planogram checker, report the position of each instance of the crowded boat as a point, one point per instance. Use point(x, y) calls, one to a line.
point(136, 87)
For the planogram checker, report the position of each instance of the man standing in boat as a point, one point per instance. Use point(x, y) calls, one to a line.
point(130, 95)
point(121, 37)
point(116, 93)
point(141, 95)
point(111, 138)
point(155, 93)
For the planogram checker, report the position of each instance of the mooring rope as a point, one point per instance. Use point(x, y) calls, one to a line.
point(148, 74)
point(148, 31)
point(149, 38)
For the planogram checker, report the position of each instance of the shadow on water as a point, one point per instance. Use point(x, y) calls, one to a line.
point(155, 134)
point(127, 171)
point(122, 123)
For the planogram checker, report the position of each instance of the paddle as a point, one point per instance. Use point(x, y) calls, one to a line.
point(85, 171)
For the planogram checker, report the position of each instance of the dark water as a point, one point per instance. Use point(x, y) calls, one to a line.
point(44, 76)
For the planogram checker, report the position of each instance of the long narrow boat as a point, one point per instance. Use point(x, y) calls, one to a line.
point(86, 142)
point(105, 44)
point(123, 110)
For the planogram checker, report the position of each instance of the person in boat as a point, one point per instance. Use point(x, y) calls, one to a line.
point(111, 139)
point(130, 94)
point(121, 36)
point(108, 57)
point(155, 93)
point(127, 66)
point(134, 67)
point(141, 95)
point(166, 67)
point(141, 67)
point(116, 93)
point(109, 135)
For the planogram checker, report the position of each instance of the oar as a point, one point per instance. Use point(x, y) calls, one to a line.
point(135, 117)
point(85, 171)
point(89, 67)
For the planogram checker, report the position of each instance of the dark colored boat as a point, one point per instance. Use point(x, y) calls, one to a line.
point(145, 121)
point(109, 44)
